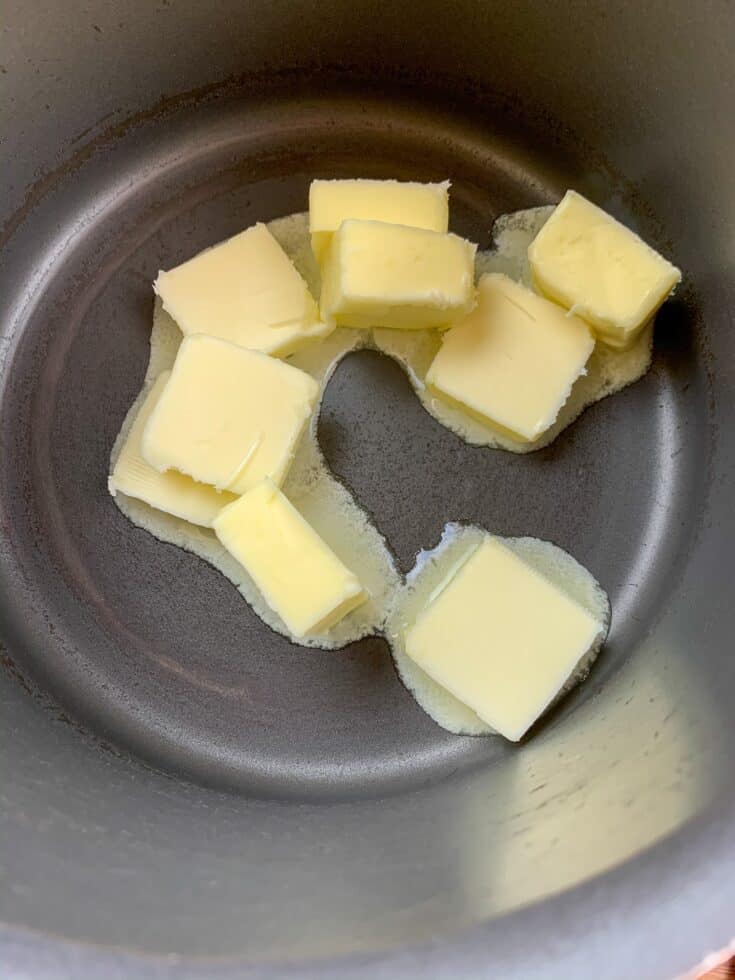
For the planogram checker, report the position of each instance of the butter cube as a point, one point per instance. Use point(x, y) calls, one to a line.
point(399, 203)
point(171, 492)
point(228, 416)
point(299, 576)
point(500, 637)
point(599, 269)
point(245, 290)
point(512, 362)
point(383, 275)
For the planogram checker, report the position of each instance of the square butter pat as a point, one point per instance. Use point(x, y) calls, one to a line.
point(171, 492)
point(501, 638)
point(512, 362)
point(400, 203)
point(590, 263)
point(299, 576)
point(228, 416)
point(245, 290)
point(382, 275)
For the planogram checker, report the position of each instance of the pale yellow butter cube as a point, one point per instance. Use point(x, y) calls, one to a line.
point(512, 362)
point(299, 576)
point(383, 275)
point(228, 416)
point(171, 492)
point(245, 290)
point(398, 202)
point(501, 638)
point(596, 267)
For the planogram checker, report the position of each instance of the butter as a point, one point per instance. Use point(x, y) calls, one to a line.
point(228, 416)
point(501, 638)
point(400, 203)
point(512, 362)
point(587, 261)
point(383, 275)
point(171, 492)
point(246, 291)
point(299, 576)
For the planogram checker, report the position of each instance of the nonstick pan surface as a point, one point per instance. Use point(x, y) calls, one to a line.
point(182, 782)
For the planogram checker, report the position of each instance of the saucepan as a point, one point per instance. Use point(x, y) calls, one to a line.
point(184, 792)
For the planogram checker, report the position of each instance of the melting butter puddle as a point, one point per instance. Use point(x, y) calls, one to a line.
point(430, 571)
point(333, 511)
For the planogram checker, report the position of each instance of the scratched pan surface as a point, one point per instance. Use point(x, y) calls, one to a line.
point(184, 792)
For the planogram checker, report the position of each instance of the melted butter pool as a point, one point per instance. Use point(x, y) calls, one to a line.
point(337, 516)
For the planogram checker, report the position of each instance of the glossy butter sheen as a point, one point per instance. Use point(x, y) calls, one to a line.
point(228, 416)
point(384, 275)
point(512, 362)
point(501, 638)
point(398, 202)
point(244, 290)
point(299, 576)
point(590, 263)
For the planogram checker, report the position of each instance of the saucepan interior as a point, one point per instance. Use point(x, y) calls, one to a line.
point(180, 779)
